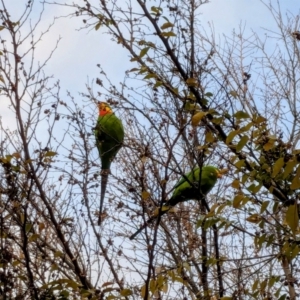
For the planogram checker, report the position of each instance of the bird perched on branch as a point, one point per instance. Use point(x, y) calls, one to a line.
point(109, 134)
point(192, 186)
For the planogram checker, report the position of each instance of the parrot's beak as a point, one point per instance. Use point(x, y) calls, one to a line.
point(219, 175)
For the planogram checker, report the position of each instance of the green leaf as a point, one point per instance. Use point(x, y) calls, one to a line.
point(134, 59)
point(243, 141)
point(190, 106)
point(98, 25)
point(33, 237)
point(196, 119)
point(166, 25)
point(210, 222)
point(150, 75)
point(157, 84)
point(241, 115)
point(208, 94)
point(277, 166)
point(144, 52)
point(134, 69)
point(292, 218)
point(28, 227)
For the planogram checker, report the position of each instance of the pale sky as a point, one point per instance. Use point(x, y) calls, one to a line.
point(79, 51)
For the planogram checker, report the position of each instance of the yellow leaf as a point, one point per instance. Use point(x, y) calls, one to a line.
point(241, 115)
point(16, 155)
point(235, 184)
point(98, 25)
point(292, 218)
point(240, 163)
point(209, 137)
point(260, 119)
point(107, 283)
point(145, 195)
point(264, 206)
point(58, 254)
point(237, 200)
point(269, 145)
point(191, 82)
point(234, 94)
point(255, 218)
point(125, 292)
point(166, 25)
point(168, 34)
point(277, 166)
point(289, 168)
point(144, 52)
point(296, 181)
point(143, 291)
point(197, 118)
point(243, 141)
point(164, 288)
point(246, 127)
point(187, 266)
point(41, 226)
point(231, 136)
point(50, 154)
point(164, 208)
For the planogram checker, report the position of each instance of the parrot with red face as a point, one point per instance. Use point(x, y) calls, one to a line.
point(109, 134)
point(192, 186)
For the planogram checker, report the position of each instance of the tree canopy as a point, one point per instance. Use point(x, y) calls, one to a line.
point(189, 99)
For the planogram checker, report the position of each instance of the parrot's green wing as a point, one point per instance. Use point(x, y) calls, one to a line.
point(188, 186)
point(109, 134)
point(192, 186)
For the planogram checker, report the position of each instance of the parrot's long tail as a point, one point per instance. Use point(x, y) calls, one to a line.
point(147, 223)
point(142, 228)
point(104, 179)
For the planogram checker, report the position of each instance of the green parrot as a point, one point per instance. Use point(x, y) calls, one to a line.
point(187, 188)
point(109, 134)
